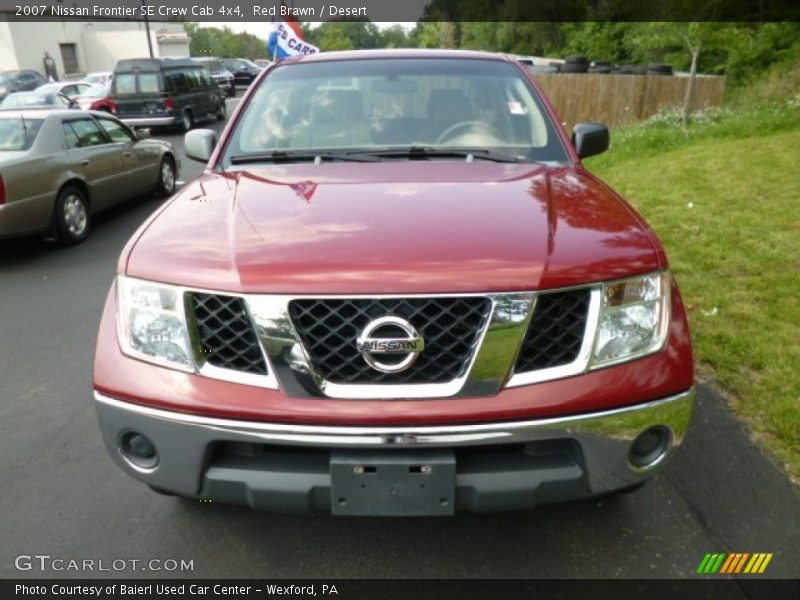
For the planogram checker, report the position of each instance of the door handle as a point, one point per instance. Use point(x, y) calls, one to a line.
point(84, 162)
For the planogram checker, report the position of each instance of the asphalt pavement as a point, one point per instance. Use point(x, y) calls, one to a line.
point(61, 495)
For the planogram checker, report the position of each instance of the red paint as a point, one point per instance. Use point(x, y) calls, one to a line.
point(393, 227)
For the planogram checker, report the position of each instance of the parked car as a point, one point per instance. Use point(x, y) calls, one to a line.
point(149, 92)
point(70, 89)
point(245, 71)
point(221, 76)
point(36, 99)
point(102, 77)
point(97, 97)
point(58, 168)
point(25, 81)
point(7, 85)
point(395, 290)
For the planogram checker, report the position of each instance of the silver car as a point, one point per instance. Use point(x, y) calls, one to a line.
point(58, 167)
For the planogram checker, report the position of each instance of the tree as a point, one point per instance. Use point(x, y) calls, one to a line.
point(693, 37)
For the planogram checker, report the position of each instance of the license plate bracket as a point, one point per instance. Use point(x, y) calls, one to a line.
point(393, 483)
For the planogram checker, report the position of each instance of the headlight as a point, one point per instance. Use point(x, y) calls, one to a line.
point(152, 323)
point(634, 318)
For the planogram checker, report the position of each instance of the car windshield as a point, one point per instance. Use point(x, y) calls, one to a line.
point(17, 133)
point(96, 91)
point(28, 99)
point(49, 88)
point(95, 78)
point(394, 104)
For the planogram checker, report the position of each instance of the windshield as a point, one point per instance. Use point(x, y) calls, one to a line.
point(95, 78)
point(96, 91)
point(394, 104)
point(49, 88)
point(17, 133)
point(29, 99)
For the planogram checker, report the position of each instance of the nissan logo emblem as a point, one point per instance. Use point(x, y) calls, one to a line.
point(373, 345)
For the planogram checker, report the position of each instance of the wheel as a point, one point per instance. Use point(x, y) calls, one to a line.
point(187, 122)
point(232, 90)
point(166, 177)
point(222, 111)
point(72, 215)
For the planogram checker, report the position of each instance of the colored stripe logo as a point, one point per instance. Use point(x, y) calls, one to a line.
point(734, 563)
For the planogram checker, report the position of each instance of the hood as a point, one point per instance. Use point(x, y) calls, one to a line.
point(393, 227)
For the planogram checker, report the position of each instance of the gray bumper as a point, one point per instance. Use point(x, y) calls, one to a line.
point(150, 121)
point(498, 466)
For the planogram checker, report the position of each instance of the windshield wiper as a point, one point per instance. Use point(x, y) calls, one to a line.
point(425, 152)
point(283, 156)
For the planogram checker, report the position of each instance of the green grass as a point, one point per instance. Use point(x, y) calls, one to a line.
point(724, 197)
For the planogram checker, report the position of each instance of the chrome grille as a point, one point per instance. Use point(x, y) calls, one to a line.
point(556, 330)
point(226, 333)
point(451, 326)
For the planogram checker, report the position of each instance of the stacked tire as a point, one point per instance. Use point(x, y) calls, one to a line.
point(658, 69)
point(575, 64)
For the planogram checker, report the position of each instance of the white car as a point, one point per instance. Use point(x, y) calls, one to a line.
point(70, 89)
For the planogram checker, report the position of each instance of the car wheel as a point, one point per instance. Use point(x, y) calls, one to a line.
point(222, 111)
point(72, 216)
point(187, 122)
point(166, 177)
point(232, 90)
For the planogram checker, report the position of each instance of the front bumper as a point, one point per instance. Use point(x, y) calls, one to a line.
point(498, 466)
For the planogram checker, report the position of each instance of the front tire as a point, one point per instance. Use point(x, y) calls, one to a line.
point(222, 111)
point(166, 177)
point(72, 216)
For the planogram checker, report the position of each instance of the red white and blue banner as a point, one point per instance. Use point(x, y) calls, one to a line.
point(286, 40)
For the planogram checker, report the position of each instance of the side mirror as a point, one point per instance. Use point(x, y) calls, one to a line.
point(590, 139)
point(199, 144)
point(142, 134)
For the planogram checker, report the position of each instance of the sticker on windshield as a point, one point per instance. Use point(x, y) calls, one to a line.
point(516, 108)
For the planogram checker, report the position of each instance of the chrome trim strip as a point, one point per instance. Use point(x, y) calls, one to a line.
point(618, 423)
point(151, 121)
point(485, 374)
point(580, 364)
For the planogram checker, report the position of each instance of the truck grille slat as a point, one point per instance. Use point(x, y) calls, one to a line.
point(226, 333)
point(555, 334)
point(451, 327)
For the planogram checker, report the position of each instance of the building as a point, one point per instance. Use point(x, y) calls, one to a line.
point(80, 47)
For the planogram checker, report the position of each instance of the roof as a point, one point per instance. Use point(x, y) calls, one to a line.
point(152, 64)
point(41, 113)
point(399, 53)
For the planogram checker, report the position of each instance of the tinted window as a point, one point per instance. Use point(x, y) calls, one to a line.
point(70, 137)
point(176, 80)
point(18, 134)
point(116, 131)
point(148, 83)
point(87, 132)
point(125, 83)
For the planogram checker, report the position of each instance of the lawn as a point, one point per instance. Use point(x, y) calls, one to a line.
point(724, 197)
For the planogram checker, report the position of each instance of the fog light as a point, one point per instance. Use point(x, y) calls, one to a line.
point(139, 450)
point(650, 446)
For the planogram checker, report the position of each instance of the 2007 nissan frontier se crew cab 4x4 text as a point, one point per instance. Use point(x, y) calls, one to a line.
point(395, 290)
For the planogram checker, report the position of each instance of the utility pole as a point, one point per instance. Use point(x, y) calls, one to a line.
point(147, 29)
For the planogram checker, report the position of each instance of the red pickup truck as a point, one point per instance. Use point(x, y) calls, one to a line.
point(395, 290)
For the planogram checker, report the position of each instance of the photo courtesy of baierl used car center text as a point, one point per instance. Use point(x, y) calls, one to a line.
point(423, 299)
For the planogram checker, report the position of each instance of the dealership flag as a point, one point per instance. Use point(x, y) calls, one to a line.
point(286, 40)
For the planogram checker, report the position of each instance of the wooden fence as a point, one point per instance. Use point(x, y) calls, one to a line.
point(618, 99)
